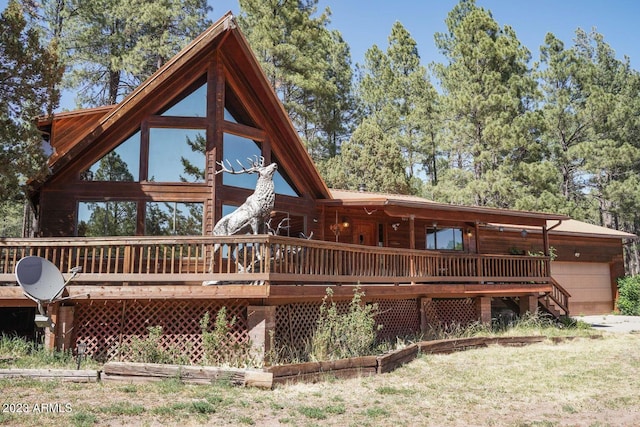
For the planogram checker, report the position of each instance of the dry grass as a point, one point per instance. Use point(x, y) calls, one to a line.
point(582, 382)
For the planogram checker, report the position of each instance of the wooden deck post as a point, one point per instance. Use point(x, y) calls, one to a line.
point(427, 316)
point(483, 305)
point(528, 304)
point(49, 335)
point(261, 321)
point(64, 328)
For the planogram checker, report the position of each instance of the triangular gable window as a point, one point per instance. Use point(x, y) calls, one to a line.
point(282, 183)
point(234, 111)
point(240, 149)
point(192, 104)
point(120, 164)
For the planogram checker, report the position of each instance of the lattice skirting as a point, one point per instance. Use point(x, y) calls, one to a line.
point(108, 326)
point(451, 311)
point(296, 323)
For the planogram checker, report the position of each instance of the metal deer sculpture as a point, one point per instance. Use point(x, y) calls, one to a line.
point(253, 214)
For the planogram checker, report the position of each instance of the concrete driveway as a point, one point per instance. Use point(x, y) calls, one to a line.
point(612, 323)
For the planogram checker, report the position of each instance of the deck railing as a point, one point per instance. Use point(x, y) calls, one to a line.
point(263, 258)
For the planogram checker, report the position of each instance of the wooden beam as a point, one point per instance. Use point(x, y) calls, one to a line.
point(164, 292)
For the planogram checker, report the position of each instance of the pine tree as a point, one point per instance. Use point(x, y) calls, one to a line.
point(109, 50)
point(28, 77)
point(487, 94)
point(612, 153)
point(566, 126)
point(371, 157)
point(307, 65)
point(394, 90)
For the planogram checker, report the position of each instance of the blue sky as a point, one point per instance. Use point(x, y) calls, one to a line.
point(364, 23)
point(367, 22)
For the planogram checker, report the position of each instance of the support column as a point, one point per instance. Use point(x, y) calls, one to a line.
point(64, 328)
point(261, 321)
point(528, 304)
point(483, 306)
point(427, 315)
point(49, 335)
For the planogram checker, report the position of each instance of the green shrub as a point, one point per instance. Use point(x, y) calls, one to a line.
point(350, 334)
point(629, 295)
point(219, 347)
point(152, 350)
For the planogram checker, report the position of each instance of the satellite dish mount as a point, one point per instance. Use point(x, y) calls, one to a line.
point(42, 282)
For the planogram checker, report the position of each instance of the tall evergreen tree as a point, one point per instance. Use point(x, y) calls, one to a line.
point(487, 94)
point(370, 157)
point(394, 91)
point(566, 125)
point(28, 78)
point(612, 153)
point(109, 50)
point(307, 65)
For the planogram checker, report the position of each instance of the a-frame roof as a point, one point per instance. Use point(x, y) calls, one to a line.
point(222, 38)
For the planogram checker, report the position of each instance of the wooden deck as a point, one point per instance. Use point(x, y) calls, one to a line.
point(262, 266)
point(274, 259)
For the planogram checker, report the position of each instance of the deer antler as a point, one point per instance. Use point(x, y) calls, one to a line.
point(255, 166)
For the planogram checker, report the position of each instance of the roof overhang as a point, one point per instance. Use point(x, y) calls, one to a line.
point(574, 228)
point(415, 207)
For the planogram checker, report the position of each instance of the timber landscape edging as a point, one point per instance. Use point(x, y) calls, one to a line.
point(279, 374)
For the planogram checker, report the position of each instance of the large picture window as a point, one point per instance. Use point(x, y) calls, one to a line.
point(176, 155)
point(173, 218)
point(112, 218)
point(237, 148)
point(192, 105)
point(447, 239)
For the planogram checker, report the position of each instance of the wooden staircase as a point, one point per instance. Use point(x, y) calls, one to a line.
point(555, 302)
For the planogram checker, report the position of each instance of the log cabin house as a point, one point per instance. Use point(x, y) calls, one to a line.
point(133, 196)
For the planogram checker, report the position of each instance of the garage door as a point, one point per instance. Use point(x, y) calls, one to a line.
point(589, 285)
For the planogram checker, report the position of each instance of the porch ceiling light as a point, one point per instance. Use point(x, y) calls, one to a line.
point(339, 227)
point(524, 233)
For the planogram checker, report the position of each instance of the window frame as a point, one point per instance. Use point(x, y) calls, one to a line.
point(435, 230)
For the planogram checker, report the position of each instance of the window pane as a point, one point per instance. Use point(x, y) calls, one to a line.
point(431, 239)
point(228, 117)
point(173, 218)
point(176, 155)
point(236, 148)
point(121, 164)
point(234, 110)
point(444, 239)
point(106, 219)
point(192, 105)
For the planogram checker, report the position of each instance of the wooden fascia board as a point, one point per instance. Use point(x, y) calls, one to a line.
point(443, 212)
point(466, 213)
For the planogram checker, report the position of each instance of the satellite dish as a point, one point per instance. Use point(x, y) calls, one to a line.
point(42, 282)
point(39, 278)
